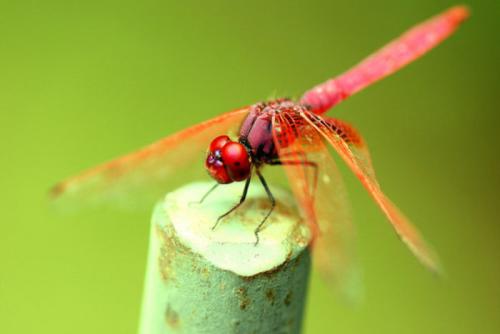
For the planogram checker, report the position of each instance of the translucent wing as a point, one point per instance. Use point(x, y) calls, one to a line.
point(350, 146)
point(407, 48)
point(138, 179)
point(321, 196)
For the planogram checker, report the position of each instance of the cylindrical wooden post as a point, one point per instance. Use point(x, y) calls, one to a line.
point(204, 281)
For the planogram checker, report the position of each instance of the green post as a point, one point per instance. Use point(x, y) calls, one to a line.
point(204, 281)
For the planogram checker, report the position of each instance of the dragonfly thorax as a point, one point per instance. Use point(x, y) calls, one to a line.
point(256, 131)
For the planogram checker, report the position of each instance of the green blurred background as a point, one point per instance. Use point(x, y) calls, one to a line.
point(84, 81)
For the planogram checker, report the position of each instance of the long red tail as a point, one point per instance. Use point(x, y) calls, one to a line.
point(405, 49)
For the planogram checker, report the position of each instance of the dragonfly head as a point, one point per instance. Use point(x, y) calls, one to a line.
point(227, 161)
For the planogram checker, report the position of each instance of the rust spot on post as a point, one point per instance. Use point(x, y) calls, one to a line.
point(172, 318)
point(167, 254)
point(243, 297)
point(288, 298)
point(170, 248)
point(271, 296)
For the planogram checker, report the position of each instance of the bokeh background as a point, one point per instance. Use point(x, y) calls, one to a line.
point(84, 81)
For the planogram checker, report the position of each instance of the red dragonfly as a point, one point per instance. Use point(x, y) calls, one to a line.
point(287, 133)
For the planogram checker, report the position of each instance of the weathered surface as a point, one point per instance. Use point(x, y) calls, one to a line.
point(204, 281)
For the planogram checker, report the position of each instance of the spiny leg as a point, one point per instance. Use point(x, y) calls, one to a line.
point(242, 199)
point(273, 204)
point(209, 192)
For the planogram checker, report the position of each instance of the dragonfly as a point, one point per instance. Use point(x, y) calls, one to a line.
point(293, 134)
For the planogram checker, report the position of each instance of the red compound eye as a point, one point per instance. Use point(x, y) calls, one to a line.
point(235, 158)
point(216, 169)
point(227, 161)
point(218, 143)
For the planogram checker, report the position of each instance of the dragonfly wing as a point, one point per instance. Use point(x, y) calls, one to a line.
point(321, 196)
point(139, 178)
point(408, 47)
point(350, 146)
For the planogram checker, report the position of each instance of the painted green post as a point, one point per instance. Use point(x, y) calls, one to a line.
point(204, 281)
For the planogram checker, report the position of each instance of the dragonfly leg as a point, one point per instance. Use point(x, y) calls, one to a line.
point(273, 204)
point(208, 192)
point(242, 199)
point(305, 163)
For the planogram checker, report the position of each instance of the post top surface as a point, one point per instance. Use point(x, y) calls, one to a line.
point(231, 246)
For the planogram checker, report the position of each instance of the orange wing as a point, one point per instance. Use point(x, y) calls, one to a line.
point(350, 146)
point(321, 196)
point(139, 178)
